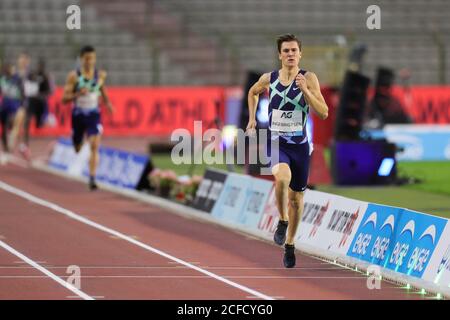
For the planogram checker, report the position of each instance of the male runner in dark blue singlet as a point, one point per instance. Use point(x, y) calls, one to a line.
point(292, 92)
point(84, 87)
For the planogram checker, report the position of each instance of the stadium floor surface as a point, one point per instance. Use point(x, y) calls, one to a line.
point(126, 249)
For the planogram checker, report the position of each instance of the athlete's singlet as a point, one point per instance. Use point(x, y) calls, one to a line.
point(288, 111)
point(86, 111)
point(11, 90)
point(89, 101)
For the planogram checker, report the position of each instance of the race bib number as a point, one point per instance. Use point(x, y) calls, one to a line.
point(30, 88)
point(11, 92)
point(287, 121)
point(88, 101)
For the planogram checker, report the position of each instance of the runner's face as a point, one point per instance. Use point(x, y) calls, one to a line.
point(290, 54)
point(88, 60)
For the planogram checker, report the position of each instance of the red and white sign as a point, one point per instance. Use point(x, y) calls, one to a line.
point(329, 222)
point(141, 111)
point(269, 218)
point(425, 104)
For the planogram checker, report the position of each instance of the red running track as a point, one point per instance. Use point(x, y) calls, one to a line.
point(113, 268)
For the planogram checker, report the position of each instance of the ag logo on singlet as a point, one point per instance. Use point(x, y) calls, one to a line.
point(287, 121)
point(287, 115)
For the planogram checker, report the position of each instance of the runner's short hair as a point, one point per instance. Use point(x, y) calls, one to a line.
point(288, 38)
point(86, 49)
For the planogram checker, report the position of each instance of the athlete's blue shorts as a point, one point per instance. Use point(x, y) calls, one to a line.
point(297, 156)
point(9, 108)
point(85, 123)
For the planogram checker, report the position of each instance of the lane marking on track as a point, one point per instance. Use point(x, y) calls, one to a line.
point(21, 262)
point(191, 262)
point(117, 238)
point(276, 297)
point(49, 274)
point(73, 215)
point(77, 297)
point(189, 277)
point(174, 268)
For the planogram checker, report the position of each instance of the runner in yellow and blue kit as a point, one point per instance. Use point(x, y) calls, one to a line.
point(292, 93)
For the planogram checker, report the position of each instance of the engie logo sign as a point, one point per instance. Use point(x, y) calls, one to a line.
point(438, 270)
point(397, 239)
point(444, 265)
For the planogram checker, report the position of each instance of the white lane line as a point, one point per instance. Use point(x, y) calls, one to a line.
point(77, 297)
point(275, 297)
point(98, 226)
point(21, 262)
point(188, 277)
point(65, 284)
point(174, 268)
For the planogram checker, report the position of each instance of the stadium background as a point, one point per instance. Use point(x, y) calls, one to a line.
point(171, 62)
point(186, 57)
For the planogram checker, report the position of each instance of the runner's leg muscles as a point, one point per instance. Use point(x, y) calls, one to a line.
point(282, 174)
point(295, 213)
point(94, 143)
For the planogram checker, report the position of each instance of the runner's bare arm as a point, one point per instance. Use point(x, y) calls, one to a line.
point(104, 92)
point(309, 84)
point(68, 94)
point(253, 96)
